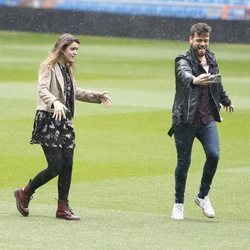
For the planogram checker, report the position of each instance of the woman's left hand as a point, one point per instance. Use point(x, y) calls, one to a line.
point(105, 99)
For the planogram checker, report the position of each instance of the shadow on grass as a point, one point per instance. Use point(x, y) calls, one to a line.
point(187, 220)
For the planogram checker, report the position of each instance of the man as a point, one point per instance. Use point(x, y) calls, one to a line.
point(199, 93)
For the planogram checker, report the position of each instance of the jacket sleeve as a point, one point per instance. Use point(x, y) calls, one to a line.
point(224, 98)
point(183, 72)
point(86, 95)
point(44, 81)
point(183, 83)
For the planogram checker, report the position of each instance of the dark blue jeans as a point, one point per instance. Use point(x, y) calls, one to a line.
point(184, 138)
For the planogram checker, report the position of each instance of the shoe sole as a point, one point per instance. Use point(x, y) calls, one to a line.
point(173, 218)
point(17, 205)
point(63, 218)
point(207, 215)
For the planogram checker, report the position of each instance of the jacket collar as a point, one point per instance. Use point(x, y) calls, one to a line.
point(209, 55)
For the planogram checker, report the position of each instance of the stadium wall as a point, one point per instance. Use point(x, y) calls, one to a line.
point(108, 24)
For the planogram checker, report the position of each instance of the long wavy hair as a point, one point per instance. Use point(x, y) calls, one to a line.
point(61, 44)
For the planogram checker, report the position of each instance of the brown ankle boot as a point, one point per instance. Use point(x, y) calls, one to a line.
point(64, 211)
point(23, 197)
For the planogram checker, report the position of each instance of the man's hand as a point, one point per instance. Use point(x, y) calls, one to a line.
point(59, 110)
point(203, 79)
point(105, 99)
point(229, 108)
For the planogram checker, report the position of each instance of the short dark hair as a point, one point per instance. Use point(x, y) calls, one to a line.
point(200, 28)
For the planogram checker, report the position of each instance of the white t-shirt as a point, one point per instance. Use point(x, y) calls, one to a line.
point(206, 68)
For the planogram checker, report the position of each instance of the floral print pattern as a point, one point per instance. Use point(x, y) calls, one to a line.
point(54, 133)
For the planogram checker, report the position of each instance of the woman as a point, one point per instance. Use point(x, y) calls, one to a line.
point(53, 128)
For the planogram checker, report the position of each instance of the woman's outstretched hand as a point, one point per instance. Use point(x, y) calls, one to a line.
point(105, 99)
point(59, 110)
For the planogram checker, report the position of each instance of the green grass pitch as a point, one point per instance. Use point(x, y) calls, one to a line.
point(123, 183)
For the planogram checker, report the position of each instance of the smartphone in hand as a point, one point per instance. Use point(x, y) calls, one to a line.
point(215, 78)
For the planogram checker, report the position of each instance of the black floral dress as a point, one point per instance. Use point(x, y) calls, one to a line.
point(53, 133)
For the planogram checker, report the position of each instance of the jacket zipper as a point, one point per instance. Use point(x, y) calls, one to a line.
point(214, 100)
point(188, 104)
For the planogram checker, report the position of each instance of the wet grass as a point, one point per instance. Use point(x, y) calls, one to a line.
point(123, 183)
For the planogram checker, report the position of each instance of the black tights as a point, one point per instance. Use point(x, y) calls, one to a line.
point(60, 161)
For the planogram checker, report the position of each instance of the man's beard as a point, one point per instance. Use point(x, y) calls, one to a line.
point(200, 51)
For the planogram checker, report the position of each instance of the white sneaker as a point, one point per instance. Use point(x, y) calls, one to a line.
point(178, 211)
point(206, 206)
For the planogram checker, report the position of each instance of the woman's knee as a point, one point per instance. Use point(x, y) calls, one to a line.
point(55, 169)
point(55, 161)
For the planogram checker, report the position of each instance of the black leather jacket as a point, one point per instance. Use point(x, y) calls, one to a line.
point(188, 65)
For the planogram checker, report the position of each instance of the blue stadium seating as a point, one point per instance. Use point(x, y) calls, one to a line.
point(206, 9)
point(209, 9)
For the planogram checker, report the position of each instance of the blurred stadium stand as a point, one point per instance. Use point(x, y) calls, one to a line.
point(156, 19)
point(205, 9)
